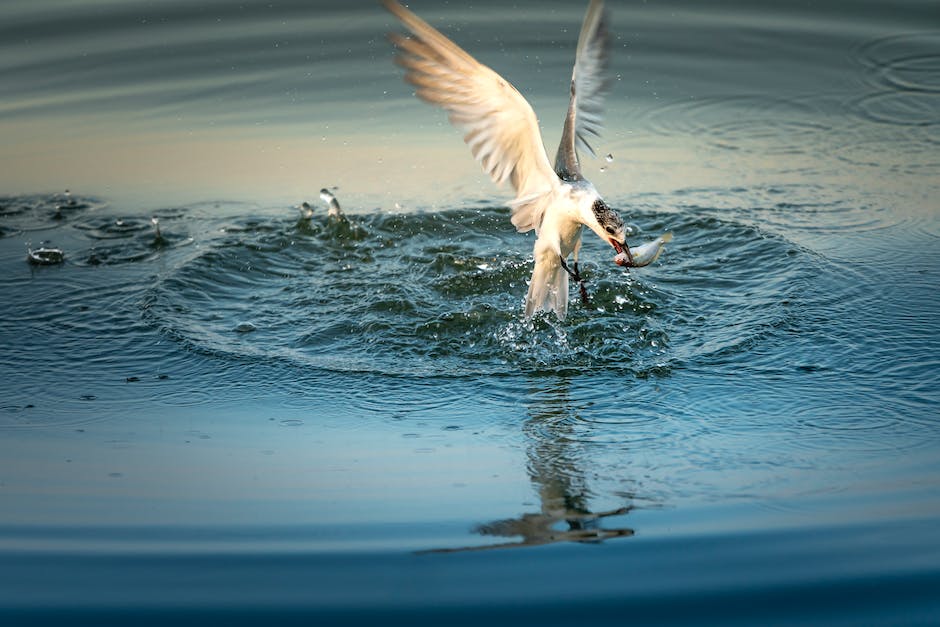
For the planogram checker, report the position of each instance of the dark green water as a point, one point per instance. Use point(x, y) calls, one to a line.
point(256, 415)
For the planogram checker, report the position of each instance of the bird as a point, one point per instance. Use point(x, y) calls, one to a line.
point(502, 131)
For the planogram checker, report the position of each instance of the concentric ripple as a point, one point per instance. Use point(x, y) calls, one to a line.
point(42, 211)
point(905, 62)
point(900, 108)
point(742, 122)
point(441, 294)
point(905, 71)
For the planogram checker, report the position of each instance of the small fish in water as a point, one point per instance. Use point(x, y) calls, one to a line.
point(333, 204)
point(643, 255)
point(45, 256)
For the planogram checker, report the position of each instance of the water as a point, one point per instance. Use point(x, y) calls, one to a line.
point(255, 413)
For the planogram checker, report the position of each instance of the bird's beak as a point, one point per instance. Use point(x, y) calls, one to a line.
point(622, 248)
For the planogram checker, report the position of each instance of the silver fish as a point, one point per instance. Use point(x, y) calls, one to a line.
point(644, 254)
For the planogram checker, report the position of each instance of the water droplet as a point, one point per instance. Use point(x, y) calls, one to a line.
point(44, 256)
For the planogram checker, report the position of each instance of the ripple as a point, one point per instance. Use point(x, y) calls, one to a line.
point(905, 62)
point(120, 242)
point(930, 135)
point(899, 108)
point(861, 426)
point(906, 70)
point(187, 397)
point(907, 150)
point(105, 228)
point(820, 216)
point(747, 123)
point(440, 294)
point(43, 211)
point(629, 427)
point(30, 416)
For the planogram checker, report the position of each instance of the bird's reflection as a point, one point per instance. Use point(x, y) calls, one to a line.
point(554, 469)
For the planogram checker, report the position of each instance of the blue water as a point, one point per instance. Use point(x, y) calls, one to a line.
point(252, 416)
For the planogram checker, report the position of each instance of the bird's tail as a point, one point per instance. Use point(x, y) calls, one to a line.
point(548, 289)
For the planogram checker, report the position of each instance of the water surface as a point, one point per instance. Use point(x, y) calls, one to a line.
point(350, 420)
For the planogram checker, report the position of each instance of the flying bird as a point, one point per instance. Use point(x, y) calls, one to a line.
point(503, 134)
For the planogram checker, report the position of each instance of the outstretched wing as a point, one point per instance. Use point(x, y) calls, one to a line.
point(500, 126)
point(588, 85)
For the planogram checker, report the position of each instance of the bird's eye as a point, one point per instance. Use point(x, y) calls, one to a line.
point(610, 230)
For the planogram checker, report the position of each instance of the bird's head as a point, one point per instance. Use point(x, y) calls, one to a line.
point(607, 224)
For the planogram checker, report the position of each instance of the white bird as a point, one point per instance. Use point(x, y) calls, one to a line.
point(503, 134)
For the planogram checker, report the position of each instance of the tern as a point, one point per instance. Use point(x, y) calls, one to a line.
point(502, 132)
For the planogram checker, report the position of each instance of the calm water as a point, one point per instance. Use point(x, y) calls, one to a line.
point(350, 421)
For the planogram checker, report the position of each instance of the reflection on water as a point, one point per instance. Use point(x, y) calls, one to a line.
point(557, 468)
point(558, 473)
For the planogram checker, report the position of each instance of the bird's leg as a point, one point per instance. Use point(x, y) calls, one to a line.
point(576, 275)
point(584, 292)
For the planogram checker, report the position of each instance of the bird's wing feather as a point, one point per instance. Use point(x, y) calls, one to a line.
point(500, 125)
point(589, 82)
